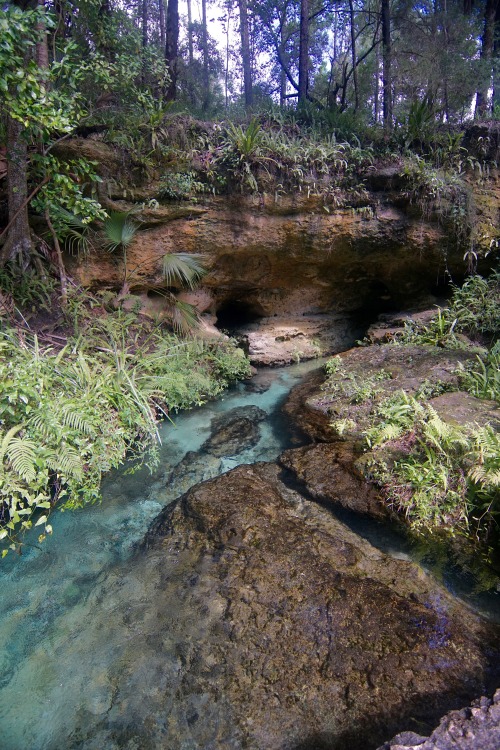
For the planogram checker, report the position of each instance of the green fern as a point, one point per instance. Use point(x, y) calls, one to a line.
point(22, 453)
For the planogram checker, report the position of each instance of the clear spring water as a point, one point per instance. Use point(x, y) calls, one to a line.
point(68, 645)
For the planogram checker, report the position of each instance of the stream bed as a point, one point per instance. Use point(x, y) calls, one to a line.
point(73, 617)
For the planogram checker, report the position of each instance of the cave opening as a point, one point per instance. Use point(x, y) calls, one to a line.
point(234, 314)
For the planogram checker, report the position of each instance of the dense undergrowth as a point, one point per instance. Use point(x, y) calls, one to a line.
point(70, 414)
point(287, 151)
point(442, 476)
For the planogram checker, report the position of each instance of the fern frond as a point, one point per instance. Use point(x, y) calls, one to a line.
point(66, 462)
point(482, 476)
point(75, 420)
point(7, 440)
point(22, 454)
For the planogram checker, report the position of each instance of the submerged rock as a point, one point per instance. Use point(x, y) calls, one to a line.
point(234, 431)
point(193, 468)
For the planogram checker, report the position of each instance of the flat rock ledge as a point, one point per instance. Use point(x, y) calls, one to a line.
point(473, 728)
point(295, 633)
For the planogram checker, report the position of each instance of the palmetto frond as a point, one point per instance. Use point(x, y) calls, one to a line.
point(182, 269)
point(119, 230)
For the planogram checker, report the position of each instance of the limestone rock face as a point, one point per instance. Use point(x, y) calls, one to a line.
point(473, 728)
point(311, 637)
point(403, 368)
point(286, 258)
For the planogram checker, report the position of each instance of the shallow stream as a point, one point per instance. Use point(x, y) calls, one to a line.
point(70, 661)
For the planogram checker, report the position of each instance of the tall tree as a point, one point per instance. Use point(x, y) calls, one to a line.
point(204, 44)
point(18, 243)
point(353, 55)
point(487, 47)
point(245, 53)
point(172, 48)
point(190, 34)
point(386, 64)
point(161, 20)
point(304, 50)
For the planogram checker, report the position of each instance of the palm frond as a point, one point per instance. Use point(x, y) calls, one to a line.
point(182, 269)
point(119, 230)
point(184, 317)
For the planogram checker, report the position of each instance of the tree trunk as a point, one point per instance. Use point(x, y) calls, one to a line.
point(228, 48)
point(245, 53)
point(144, 24)
point(304, 50)
point(190, 34)
point(161, 17)
point(386, 65)
point(204, 41)
point(42, 47)
point(18, 243)
point(496, 69)
point(283, 81)
point(487, 44)
point(172, 48)
point(353, 54)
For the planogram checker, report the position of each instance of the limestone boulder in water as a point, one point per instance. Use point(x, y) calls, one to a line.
point(235, 431)
point(327, 473)
point(380, 370)
point(295, 633)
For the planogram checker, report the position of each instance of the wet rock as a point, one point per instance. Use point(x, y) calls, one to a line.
point(327, 473)
point(235, 431)
point(300, 409)
point(388, 327)
point(309, 632)
point(473, 728)
point(193, 468)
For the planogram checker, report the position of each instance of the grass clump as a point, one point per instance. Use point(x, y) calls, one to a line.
point(69, 416)
point(473, 311)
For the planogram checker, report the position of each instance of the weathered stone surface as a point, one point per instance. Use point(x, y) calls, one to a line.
point(387, 327)
point(301, 411)
point(280, 341)
point(234, 431)
point(313, 637)
point(462, 408)
point(327, 473)
point(407, 368)
point(474, 728)
point(288, 258)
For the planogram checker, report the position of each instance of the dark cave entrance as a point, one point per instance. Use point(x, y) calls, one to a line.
point(234, 314)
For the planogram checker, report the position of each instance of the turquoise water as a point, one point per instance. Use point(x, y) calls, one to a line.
point(83, 650)
point(47, 593)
